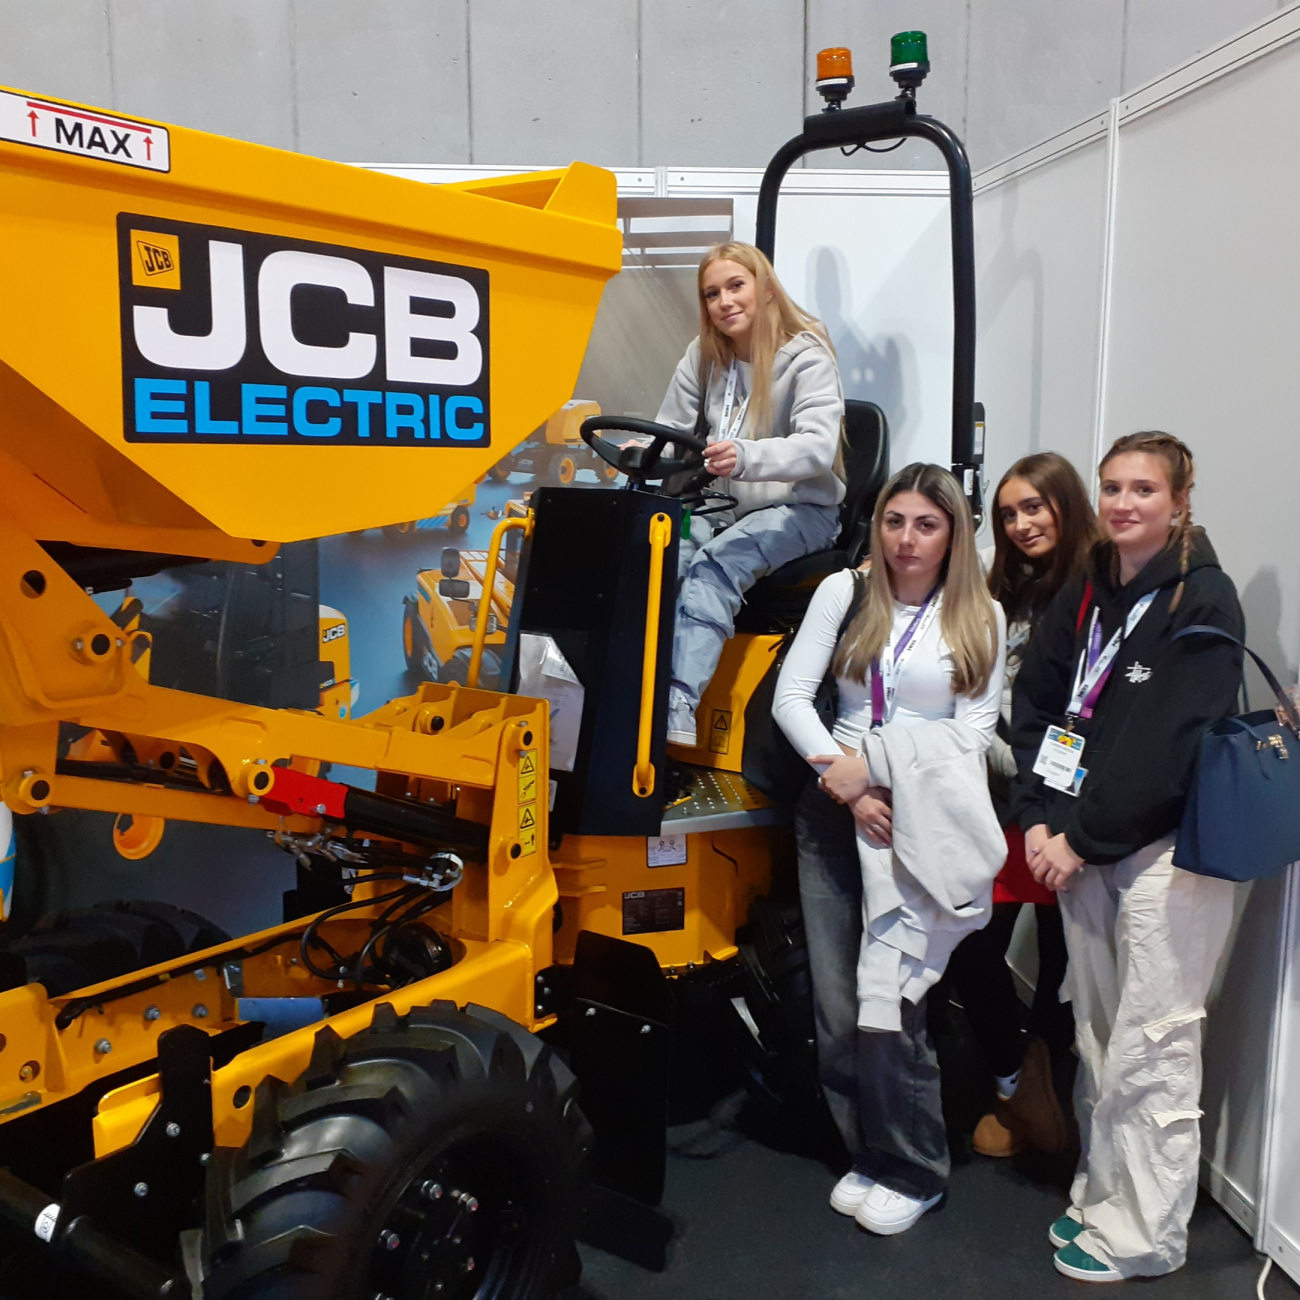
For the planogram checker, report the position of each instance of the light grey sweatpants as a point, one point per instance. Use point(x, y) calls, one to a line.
point(1144, 938)
point(717, 564)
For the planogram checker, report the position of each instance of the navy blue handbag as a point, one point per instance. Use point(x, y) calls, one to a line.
point(1242, 819)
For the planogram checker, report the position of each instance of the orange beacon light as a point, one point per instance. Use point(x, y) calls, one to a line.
point(834, 75)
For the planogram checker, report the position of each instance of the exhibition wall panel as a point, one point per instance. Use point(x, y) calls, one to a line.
point(1184, 313)
point(868, 253)
point(1204, 314)
point(1040, 229)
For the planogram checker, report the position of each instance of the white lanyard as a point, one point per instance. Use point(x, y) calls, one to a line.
point(729, 427)
point(1090, 677)
point(889, 669)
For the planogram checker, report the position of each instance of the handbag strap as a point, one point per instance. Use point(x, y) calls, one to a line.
point(1287, 708)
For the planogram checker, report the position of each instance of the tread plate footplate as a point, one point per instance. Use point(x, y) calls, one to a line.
point(722, 801)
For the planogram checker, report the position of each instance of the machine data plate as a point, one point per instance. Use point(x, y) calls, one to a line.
point(652, 911)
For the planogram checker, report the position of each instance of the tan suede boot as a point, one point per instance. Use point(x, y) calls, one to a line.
point(1034, 1113)
point(992, 1136)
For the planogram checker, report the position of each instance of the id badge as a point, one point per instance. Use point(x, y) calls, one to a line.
point(1058, 760)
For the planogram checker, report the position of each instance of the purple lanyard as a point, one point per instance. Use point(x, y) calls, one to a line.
point(877, 679)
point(1094, 653)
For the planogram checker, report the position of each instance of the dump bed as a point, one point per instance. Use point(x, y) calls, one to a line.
point(204, 341)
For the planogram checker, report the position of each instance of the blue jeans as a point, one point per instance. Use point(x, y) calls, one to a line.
point(717, 564)
point(882, 1088)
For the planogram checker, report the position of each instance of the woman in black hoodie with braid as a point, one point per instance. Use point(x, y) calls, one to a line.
point(1108, 712)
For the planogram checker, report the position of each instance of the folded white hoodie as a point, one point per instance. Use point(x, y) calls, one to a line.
point(935, 886)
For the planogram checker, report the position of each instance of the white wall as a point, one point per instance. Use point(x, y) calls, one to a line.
point(1185, 319)
point(617, 82)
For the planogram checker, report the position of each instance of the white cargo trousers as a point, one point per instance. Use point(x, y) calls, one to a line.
point(1144, 939)
point(717, 564)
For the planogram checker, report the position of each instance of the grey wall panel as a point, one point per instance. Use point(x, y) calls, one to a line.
point(1162, 34)
point(57, 49)
point(866, 28)
point(720, 82)
point(1206, 303)
point(1039, 241)
point(1036, 69)
point(392, 89)
point(551, 83)
point(225, 67)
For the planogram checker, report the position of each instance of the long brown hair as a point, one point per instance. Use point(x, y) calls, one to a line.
point(1023, 585)
point(1181, 469)
point(777, 320)
point(967, 619)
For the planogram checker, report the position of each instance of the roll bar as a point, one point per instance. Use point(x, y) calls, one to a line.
point(887, 121)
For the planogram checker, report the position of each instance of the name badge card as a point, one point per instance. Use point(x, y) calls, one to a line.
point(1059, 758)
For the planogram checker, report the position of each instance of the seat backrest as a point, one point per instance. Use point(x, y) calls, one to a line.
point(866, 465)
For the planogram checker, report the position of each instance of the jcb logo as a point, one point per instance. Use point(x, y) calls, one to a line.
point(156, 261)
point(333, 633)
point(394, 349)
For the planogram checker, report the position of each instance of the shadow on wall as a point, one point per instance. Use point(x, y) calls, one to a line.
point(870, 371)
point(1261, 601)
point(1234, 1091)
point(998, 287)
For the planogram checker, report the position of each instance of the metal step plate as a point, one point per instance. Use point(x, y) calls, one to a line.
point(721, 801)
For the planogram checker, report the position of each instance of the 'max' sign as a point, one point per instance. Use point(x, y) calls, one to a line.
point(239, 338)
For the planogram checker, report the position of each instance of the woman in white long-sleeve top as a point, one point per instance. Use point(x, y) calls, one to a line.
point(762, 378)
point(891, 879)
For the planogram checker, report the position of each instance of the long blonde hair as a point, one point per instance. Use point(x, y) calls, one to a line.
point(967, 619)
point(777, 320)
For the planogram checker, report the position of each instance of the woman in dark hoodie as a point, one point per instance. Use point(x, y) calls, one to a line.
point(1108, 711)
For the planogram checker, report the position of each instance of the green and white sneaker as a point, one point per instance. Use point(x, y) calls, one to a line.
point(1064, 1230)
point(1075, 1262)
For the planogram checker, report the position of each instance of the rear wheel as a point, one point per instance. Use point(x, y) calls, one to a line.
point(564, 467)
point(456, 669)
point(434, 1157)
point(459, 519)
point(76, 948)
point(421, 662)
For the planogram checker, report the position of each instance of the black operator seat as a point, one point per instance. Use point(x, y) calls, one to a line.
point(778, 602)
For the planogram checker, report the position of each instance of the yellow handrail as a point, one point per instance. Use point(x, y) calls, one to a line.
point(489, 585)
point(643, 775)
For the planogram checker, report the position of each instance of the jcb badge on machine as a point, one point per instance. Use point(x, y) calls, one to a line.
point(234, 337)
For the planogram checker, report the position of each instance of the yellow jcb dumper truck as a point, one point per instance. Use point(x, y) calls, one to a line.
point(194, 330)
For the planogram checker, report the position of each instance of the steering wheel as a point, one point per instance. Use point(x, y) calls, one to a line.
point(644, 464)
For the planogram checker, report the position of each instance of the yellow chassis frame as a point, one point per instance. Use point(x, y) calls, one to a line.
point(62, 659)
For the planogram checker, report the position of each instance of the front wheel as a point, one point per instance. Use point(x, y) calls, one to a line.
point(435, 1157)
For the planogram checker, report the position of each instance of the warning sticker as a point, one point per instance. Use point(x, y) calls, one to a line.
point(720, 731)
point(84, 132)
point(528, 776)
point(665, 850)
point(528, 827)
point(652, 911)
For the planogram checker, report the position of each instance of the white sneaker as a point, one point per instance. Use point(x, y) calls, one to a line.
point(681, 726)
point(887, 1212)
point(850, 1192)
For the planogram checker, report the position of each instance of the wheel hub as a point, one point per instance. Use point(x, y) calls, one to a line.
point(451, 1234)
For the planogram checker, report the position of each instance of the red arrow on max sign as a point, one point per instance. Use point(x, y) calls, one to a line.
point(82, 131)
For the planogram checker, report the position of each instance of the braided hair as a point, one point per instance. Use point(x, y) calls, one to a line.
point(1181, 468)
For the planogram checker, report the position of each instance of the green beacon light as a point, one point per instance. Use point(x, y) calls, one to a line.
point(909, 61)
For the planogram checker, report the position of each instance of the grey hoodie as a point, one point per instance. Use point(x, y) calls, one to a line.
point(795, 461)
